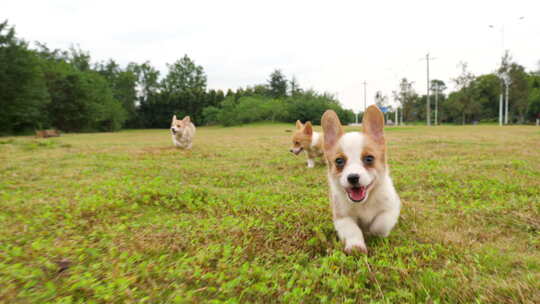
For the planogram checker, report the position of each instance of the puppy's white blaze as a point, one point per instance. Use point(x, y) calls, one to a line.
point(352, 145)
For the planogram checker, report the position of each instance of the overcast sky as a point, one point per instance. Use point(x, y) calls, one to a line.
point(329, 46)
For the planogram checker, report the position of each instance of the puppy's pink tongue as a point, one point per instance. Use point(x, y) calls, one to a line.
point(357, 194)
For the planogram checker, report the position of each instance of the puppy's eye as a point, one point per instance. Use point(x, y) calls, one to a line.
point(296, 142)
point(340, 162)
point(368, 159)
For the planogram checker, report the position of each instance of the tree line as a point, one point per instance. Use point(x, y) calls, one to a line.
point(43, 88)
point(476, 98)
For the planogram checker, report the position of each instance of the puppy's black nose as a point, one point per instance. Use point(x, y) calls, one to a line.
point(353, 179)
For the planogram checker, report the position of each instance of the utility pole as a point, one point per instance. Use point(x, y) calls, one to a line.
point(436, 103)
point(501, 110)
point(505, 79)
point(428, 118)
point(396, 117)
point(428, 106)
point(365, 104)
point(507, 84)
point(401, 117)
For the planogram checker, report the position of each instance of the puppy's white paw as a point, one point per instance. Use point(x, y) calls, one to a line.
point(355, 246)
point(310, 163)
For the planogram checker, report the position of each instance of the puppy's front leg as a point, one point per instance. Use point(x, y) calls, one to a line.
point(384, 222)
point(310, 163)
point(349, 232)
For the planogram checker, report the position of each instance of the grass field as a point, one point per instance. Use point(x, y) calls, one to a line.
point(125, 218)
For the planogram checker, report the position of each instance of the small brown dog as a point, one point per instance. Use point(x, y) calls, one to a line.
point(182, 132)
point(47, 133)
point(305, 139)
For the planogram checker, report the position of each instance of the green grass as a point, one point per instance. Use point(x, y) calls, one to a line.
point(125, 218)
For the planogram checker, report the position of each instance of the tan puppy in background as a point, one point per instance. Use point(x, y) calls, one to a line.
point(182, 132)
point(305, 139)
point(362, 194)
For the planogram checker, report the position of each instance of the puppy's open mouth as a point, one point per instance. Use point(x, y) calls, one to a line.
point(357, 193)
point(173, 131)
point(296, 152)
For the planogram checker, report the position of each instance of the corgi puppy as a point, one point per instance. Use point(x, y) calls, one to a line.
point(362, 194)
point(305, 139)
point(47, 133)
point(182, 132)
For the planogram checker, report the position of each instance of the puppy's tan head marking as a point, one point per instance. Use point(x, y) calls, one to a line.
point(373, 124)
point(339, 160)
point(375, 145)
point(332, 130)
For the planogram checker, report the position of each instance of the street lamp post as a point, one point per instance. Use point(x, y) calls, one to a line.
point(506, 80)
point(436, 103)
point(365, 105)
point(501, 110)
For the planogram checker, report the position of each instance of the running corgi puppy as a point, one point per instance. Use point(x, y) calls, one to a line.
point(182, 132)
point(362, 195)
point(305, 139)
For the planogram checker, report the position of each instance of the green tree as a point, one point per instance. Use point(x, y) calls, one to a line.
point(184, 75)
point(123, 83)
point(79, 59)
point(519, 95)
point(466, 102)
point(23, 93)
point(147, 81)
point(295, 87)
point(81, 99)
point(486, 90)
point(533, 111)
point(277, 84)
point(406, 97)
point(210, 115)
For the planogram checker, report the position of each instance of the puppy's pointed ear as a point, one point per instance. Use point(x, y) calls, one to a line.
point(299, 124)
point(186, 119)
point(308, 128)
point(174, 118)
point(332, 129)
point(373, 124)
